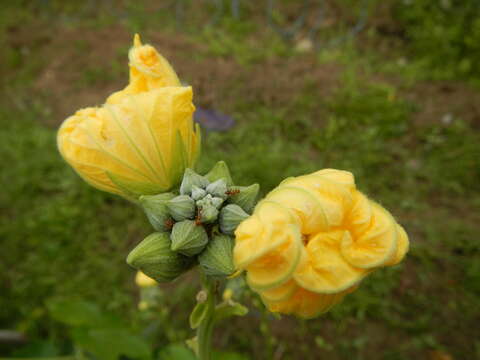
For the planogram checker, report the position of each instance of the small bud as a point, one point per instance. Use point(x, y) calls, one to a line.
point(230, 217)
point(220, 171)
point(198, 193)
point(155, 207)
point(217, 258)
point(208, 214)
point(245, 197)
point(191, 178)
point(181, 207)
point(155, 259)
point(217, 202)
point(188, 238)
point(218, 188)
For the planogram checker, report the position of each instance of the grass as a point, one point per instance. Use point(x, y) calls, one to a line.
point(62, 239)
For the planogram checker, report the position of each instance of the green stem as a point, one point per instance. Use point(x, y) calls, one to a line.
point(205, 330)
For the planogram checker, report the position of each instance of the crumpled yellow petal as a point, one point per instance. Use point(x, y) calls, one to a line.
point(276, 266)
point(323, 269)
point(334, 197)
point(148, 71)
point(261, 233)
point(376, 245)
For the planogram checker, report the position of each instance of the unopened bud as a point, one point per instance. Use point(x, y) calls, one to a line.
point(218, 188)
point(217, 258)
point(230, 217)
point(191, 178)
point(181, 207)
point(188, 238)
point(244, 196)
point(208, 214)
point(155, 259)
point(198, 193)
point(155, 207)
point(220, 171)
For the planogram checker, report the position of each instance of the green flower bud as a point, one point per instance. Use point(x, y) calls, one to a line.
point(198, 193)
point(191, 178)
point(218, 188)
point(208, 214)
point(181, 207)
point(217, 258)
point(217, 202)
point(230, 217)
point(244, 196)
point(155, 259)
point(188, 238)
point(155, 207)
point(220, 171)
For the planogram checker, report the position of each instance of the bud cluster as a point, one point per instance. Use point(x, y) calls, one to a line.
point(194, 226)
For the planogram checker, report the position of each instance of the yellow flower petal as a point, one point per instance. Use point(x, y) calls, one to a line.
point(322, 268)
point(374, 247)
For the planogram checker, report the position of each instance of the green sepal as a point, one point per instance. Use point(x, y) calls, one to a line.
point(230, 217)
point(179, 159)
point(188, 238)
point(246, 197)
point(134, 189)
point(220, 171)
point(155, 207)
point(217, 258)
point(181, 207)
point(191, 178)
point(155, 259)
point(198, 314)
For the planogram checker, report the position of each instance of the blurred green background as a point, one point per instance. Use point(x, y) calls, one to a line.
point(389, 90)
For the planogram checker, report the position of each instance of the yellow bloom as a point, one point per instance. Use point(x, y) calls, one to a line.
point(143, 280)
point(139, 142)
point(312, 240)
point(148, 70)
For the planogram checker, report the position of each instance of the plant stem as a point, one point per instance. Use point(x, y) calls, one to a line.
point(205, 330)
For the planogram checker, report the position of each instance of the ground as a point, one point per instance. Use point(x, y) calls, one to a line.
point(366, 105)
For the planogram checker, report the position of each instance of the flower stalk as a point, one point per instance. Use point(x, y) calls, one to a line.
point(205, 330)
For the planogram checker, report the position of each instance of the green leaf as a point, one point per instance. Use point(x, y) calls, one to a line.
point(110, 344)
point(176, 352)
point(77, 313)
point(228, 309)
point(198, 314)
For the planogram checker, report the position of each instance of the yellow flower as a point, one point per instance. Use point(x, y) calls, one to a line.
point(143, 280)
point(148, 70)
point(312, 240)
point(140, 142)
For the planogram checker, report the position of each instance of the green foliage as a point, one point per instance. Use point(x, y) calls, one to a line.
point(445, 35)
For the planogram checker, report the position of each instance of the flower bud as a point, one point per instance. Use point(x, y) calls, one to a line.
point(155, 206)
point(218, 188)
point(217, 258)
point(245, 197)
point(208, 214)
point(188, 238)
point(181, 207)
point(217, 202)
point(230, 217)
point(198, 193)
point(155, 259)
point(220, 171)
point(191, 178)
